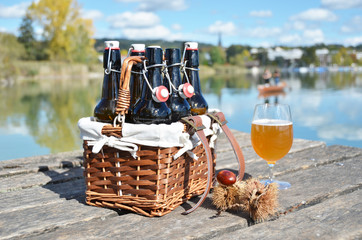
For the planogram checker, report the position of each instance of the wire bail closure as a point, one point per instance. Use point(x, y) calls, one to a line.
point(160, 93)
point(119, 118)
point(185, 90)
point(109, 69)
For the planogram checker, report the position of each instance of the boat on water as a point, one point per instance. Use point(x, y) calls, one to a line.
point(272, 94)
point(263, 88)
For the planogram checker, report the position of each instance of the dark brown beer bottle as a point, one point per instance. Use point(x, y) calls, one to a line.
point(105, 111)
point(136, 79)
point(177, 101)
point(191, 60)
point(151, 108)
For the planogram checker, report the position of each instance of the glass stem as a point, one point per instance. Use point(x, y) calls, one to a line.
point(271, 174)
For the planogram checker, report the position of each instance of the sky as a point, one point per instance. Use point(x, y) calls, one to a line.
point(258, 23)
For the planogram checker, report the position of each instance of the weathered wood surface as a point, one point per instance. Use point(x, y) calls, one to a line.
point(43, 198)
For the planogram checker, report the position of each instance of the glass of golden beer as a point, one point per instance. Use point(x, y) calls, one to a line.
point(272, 135)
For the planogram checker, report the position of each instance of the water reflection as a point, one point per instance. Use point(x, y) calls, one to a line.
point(48, 113)
point(325, 107)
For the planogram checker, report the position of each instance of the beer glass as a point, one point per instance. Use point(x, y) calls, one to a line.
point(272, 135)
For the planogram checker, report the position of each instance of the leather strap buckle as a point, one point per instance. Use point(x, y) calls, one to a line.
point(194, 124)
point(216, 119)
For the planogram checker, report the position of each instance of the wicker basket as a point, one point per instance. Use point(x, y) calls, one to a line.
point(153, 184)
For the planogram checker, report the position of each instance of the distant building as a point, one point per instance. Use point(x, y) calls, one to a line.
point(219, 43)
point(287, 54)
point(323, 56)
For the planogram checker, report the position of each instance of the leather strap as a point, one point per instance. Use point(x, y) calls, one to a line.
point(219, 117)
point(196, 123)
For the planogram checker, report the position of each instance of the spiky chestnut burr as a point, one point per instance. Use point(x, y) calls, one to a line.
point(251, 196)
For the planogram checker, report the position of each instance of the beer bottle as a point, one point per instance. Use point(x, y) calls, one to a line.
point(151, 108)
point(191, 60)
point(105, 111)
point(177, 101)
point(136, 79)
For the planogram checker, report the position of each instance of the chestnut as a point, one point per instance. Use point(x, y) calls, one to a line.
point(226, 177)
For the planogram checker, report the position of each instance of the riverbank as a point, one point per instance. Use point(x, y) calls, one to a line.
point(35, 71)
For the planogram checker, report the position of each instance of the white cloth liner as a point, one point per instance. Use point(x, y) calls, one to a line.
point(161, 135)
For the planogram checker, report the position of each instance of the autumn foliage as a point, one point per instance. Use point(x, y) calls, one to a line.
point(67, 34)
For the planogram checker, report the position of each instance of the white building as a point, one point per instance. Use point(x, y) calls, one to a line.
point(289, 54)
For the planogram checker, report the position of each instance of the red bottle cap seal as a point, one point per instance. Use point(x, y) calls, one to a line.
point(161, 94)
point(186, 90)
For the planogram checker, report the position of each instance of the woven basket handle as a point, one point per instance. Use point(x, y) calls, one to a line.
point(219, 117)
point(123, 100)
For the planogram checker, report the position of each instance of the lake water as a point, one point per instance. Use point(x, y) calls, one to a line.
point(39, 119)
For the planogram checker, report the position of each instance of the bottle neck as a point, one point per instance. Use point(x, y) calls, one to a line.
point(192, 58)
point(192, 61)
point(194, 79)
point(155, 79)
point(138, 66)
point(114, 58)
point(175, 75)
point(110, 86)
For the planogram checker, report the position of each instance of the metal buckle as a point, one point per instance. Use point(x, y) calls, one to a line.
point(211, 115)
point(192, 124)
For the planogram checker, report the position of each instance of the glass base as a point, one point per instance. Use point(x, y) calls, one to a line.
point(281, 185)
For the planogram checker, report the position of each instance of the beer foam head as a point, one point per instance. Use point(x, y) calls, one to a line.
point(272, 122)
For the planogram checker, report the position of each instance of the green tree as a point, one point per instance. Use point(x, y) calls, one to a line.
point(217, 55)
point(235, 50)
point(26, 37)
point(68, 35)
point(241, 58)
point(34, 50)
point(309, 56)
point(342, 57)
point(10, 50)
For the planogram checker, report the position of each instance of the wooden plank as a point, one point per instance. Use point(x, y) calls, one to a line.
point(40, 195)
point(17, 182)
point(48, 217)
point(293, 161)
point(40, 163)
point(337, 218)
point(307, 185)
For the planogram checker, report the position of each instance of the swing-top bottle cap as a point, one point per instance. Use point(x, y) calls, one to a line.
point(160, 94)
point(155, 46)
point(191, 45)
point(138, 47)
point(186, 90)
point(111, 44)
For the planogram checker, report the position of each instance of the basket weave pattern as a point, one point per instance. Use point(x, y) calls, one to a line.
point(154, 184)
